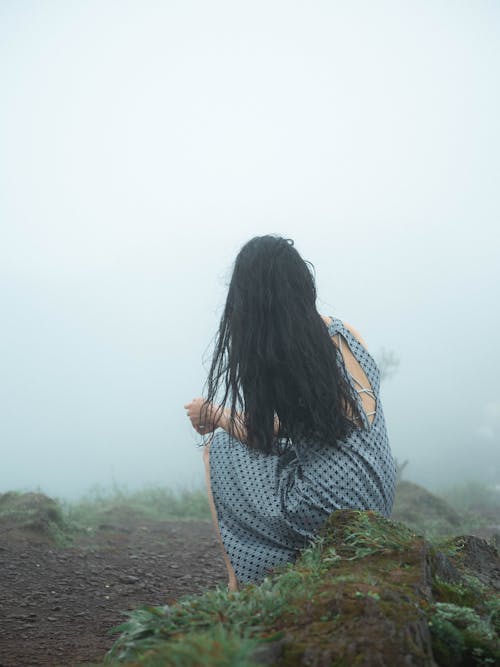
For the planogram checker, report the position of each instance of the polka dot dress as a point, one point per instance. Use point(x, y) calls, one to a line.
point(270, 506)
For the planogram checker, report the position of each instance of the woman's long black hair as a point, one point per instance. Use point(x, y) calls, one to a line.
point(273, 355)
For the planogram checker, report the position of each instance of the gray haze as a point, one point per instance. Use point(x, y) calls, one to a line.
point(143, 142)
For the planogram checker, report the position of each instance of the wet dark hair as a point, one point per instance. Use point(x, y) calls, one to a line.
point(273, 354)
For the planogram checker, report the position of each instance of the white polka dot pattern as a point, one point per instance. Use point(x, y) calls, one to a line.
point(270, 506)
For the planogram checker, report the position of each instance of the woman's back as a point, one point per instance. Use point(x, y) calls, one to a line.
point(269, 506)
point(303, 427)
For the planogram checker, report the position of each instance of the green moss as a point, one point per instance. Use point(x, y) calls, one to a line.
point(451, 548)
point(217, 648)
point(458, 593)
point(492, 607)
point(363, 534)
point(478, 638)
point(448, 644)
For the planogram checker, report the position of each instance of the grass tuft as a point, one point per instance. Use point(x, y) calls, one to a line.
point(154, 503)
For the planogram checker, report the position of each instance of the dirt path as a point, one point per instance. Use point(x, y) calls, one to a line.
point(57, 605)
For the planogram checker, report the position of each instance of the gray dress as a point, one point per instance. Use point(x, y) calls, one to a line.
point(270, 506)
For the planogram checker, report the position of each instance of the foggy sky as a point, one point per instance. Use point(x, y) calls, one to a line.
point(142, 143)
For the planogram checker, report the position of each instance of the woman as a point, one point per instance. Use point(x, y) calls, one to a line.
point(302, 432)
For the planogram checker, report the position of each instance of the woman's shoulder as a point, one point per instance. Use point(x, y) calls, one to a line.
point(330, 320)
point(355, 333)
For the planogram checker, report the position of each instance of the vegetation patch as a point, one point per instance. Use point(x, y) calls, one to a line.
point(367, 590)
point(153, 503)
point(462, 637)
point(34, 517)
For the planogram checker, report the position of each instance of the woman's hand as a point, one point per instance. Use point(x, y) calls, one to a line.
point(204, 416)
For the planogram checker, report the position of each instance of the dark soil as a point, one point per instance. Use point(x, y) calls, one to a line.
point(58, 605)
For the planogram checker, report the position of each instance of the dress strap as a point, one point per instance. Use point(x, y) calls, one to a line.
point(337, 328)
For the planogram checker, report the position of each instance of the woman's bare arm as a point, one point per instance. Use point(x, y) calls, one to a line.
point(206, 417)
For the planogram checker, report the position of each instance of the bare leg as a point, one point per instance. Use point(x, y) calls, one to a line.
point(233, 584)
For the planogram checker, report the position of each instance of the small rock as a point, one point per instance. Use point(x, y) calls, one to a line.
point(128, 579)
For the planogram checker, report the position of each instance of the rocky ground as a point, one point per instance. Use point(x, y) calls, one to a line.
point(58, 604)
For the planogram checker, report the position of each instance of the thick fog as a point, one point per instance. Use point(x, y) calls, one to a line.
point(142, 143)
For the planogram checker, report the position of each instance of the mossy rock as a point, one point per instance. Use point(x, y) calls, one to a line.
point(31, 516)
point(370, 610)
